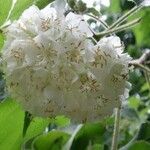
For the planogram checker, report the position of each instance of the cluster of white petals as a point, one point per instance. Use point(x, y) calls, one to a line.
point(52, 68)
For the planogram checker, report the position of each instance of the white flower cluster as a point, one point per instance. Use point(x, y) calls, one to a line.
point(52, 68)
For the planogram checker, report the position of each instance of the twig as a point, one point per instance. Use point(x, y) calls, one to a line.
point(140, 66)
point(114, 27)
point(104, 24)
point(120, 28)
point(125, 16)
point(95, 42)
point(147, 62)
point(145, 56)
point(141, 61)
point(116, 130)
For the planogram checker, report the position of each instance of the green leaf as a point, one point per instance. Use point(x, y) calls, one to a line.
point(134, 102)
point(145, 87)
point(61, 121)
point(54, 140)
point(142, 31)
point(81, 6)
point(11, 125)
point(127, 4)
point(129, 113)
point(68, 145)
point(5, 7)
point(142, 134)
point(93, 11)
point(42, 3)
point(140, 145)
point(27, 121)
point(115, 6)
point(36, 127)
point(97, 147)
point(1, 40)
point(89, 133)
point(72, 3)
point(19, 7)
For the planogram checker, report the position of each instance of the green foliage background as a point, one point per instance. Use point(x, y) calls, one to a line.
point(19, 130)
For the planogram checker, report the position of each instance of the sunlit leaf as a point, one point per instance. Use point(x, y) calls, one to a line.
point(134, 102)
point(1, 40)
point(145, 87)
point(11, 125)
point(42, 3)
point(54, 140)
point(19, 7)
point(115, 6)
point(4, 10)
point(36, 127)
point(61, 121)
point(140, 145)
point(68, 145)
point(89, 132)
point(143, 134)
point(142, 31)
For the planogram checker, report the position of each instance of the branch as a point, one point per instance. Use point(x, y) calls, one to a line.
point(120, 28)
point(143, 58)
point(104, 24)
point(141, 61)
point(147, 62)
point(125, 16)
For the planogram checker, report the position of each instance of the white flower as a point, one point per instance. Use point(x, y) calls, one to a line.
point(52, 68)
point(146, 3)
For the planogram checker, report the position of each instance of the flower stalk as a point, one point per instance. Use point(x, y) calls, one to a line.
point(116, 130)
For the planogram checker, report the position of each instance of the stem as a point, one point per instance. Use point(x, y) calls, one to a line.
point(95, 42)
point(140, 66)
point(147, 78)
point(116, 130)
point(120, 28)
point(104, 24)
point(147, 62)
point(125, 16)
point(145, 56)
point(140, 62)
point(11, 9)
